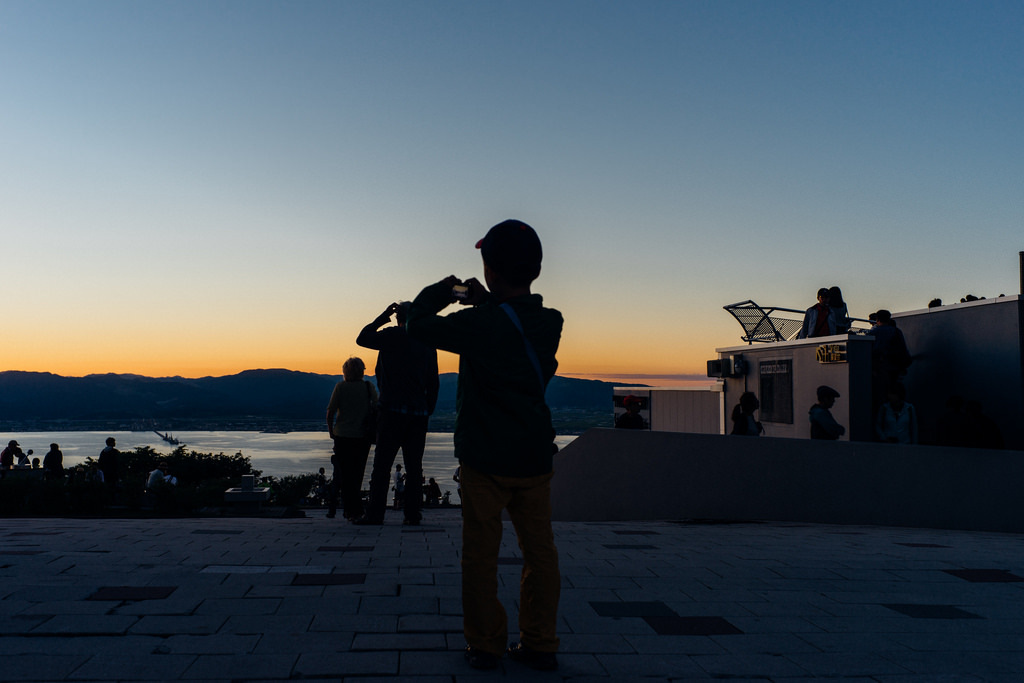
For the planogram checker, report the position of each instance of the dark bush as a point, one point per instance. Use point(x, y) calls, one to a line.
point(290, 490)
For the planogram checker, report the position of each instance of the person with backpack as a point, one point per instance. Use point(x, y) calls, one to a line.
point(506, 341)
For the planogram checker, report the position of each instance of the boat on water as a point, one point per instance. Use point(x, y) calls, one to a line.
point(168, 437)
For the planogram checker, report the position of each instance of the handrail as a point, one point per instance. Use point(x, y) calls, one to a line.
point(761, 324)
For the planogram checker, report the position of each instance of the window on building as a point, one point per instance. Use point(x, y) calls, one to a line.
point(776, 383)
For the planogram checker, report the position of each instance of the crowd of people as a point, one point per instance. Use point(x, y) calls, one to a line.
point(895, 420)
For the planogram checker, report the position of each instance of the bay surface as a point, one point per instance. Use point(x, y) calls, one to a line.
point(275, 455)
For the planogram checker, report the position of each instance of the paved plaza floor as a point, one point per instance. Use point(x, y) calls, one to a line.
point(247, 599)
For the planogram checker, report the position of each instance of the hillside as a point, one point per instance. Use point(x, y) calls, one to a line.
point(257, 398)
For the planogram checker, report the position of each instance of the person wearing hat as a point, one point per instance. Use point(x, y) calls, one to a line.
point(890, 357)
point(10, 454)
point(819, 319)
point(631, 419)
point(823, 425)
point(506, 340)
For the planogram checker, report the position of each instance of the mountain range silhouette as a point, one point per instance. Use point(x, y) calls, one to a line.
point(276, 393)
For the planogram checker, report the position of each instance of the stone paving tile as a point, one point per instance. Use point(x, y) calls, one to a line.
point(670, 665)
point(132, 666)
point(402, 642)
point(359, 623)
point(347, 664)
point(40, 667)
point(241, 667)
point(173, 625)
point(215, 644)
point(75, 624)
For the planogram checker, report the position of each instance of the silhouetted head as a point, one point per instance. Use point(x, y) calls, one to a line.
point(897, 394)
point(749, 402)
point(835, 296)
point(54, 447)
point(823, 296)
point(512, 250)
point(111, 441)
point(883, 316)
point(827, 395)
point(353, 369)
point(934, 303)
point(12, 443)
point(402, 312)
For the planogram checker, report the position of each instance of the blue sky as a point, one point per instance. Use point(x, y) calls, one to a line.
point(200, 188)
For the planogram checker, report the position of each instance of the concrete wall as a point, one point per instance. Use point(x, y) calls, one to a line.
point(973, 350)
point(608, 474)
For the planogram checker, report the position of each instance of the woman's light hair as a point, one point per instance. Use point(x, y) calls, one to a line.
point(353, 368)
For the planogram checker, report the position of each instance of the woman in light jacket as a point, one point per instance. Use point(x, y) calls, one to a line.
point(352, 404)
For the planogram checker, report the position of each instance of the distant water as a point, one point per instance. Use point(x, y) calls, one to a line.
point(275, 454)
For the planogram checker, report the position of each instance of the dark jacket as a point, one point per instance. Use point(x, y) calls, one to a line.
point(503, 424)
point(406, 371)
point(823, 425)
point(889, 353)
point(108, 463)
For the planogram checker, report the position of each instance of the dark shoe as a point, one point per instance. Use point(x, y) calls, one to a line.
point(411, 522)
point(535, 659)
point(361, 521)
point(478, 659)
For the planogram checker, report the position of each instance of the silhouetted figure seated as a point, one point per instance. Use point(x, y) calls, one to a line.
point(631, 419)
point(897, 419)
point(743, 421)
point(433, 492)
point(158, 478)
point(934, 303)
point(23, 461)
point(823, 425)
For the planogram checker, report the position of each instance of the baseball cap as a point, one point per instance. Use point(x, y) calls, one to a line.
point(512, 249)
point(824, 391)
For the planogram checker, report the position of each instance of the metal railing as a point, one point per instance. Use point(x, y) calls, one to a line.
point(764, 324)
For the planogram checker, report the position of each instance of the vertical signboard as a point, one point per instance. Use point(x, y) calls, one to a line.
point(776, 383)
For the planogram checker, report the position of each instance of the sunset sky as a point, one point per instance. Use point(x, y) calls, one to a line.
point(199, 188)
